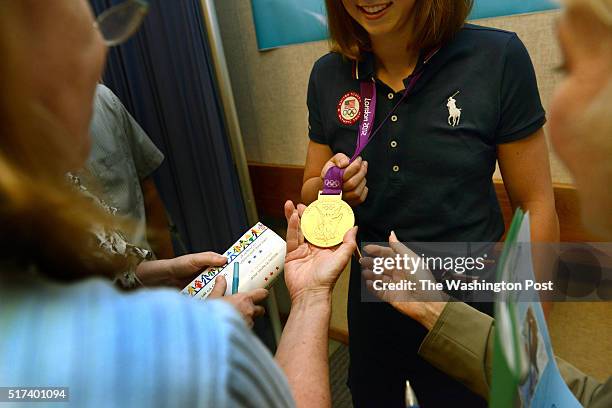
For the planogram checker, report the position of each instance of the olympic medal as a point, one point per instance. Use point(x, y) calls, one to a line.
point(326, 220)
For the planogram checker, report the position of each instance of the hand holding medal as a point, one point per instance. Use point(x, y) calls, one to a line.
point(354, 186)
point(310, 270)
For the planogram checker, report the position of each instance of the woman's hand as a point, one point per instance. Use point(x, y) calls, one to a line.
point(422, 306)
point(311, 271)
point(354, 189)
point(177, 271)
point(247, 303)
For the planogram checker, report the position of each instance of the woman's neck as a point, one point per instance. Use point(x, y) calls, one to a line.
point(395, 59)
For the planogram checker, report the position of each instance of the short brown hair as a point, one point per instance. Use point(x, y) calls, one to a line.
point(436, 21)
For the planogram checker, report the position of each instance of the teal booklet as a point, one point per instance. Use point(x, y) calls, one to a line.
point(525, 373)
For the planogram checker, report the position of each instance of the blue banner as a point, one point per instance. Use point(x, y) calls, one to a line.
point(495, 8)
point(283, 22)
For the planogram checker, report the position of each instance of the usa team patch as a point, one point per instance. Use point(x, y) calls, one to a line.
point(349, 108)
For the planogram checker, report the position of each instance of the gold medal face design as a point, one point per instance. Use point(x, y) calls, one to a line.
point(326, 220)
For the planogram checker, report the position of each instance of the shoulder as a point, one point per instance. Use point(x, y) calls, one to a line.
point(228, 363)
point(489, 41)
point(106, 99)
point(331, 63)
point(104, 93)
point(487, 45)
point(187, 342)
point(108, 113)
point(488, 36)
point(94, 294)
point(157, 311)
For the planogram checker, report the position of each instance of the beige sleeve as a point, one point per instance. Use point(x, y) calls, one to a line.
point(461, 345)
point(590, 392)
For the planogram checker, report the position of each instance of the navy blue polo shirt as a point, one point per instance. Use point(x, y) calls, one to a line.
point(431, 164)
point(429, 179)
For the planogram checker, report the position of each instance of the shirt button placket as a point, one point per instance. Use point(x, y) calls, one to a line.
point(394, 134)
point(393, 144)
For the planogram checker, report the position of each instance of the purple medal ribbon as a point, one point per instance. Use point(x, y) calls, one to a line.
point(332, 182)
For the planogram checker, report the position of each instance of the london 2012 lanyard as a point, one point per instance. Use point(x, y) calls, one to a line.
point(332, 182)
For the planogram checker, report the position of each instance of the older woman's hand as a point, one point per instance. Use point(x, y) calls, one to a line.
point(422, 306)
point(179, 271)
point(247, 303)
point(310, 270)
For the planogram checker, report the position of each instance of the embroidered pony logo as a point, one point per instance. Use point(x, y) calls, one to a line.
point(454, 113)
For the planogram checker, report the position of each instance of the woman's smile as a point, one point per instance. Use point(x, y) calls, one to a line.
point(375, 11)
point(382, 17)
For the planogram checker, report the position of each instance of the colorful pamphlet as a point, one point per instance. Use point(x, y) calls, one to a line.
point(260, 253)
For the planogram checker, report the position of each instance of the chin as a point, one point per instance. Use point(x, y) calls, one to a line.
point(377, 30)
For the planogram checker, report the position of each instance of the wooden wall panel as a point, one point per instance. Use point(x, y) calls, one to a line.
point(274, 184)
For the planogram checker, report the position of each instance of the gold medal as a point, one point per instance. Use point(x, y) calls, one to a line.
point(326, 220)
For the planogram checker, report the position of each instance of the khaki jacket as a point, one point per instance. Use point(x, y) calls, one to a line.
point(461, 345)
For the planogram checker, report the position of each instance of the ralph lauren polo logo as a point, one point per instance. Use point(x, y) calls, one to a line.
point(454, 113)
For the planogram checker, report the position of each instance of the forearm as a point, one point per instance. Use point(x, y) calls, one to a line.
point(426, 313)
point(303, 351)
point(543, 220)
point(310, 189)
point(544, 233)
point(153, 273)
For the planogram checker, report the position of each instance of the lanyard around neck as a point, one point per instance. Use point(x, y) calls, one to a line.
point(332, 182)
